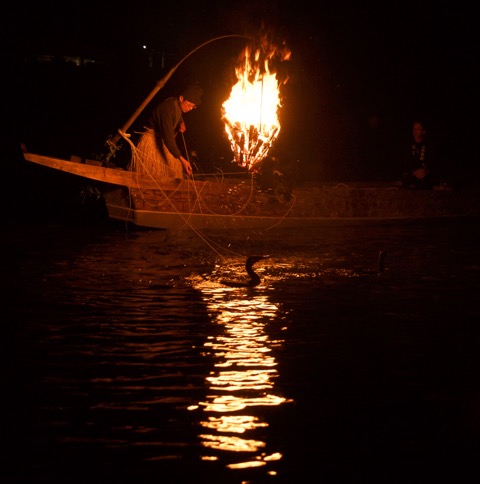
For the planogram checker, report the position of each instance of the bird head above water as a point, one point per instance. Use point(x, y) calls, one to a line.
point(254, 277)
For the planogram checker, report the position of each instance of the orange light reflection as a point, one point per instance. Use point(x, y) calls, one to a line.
point(243, 375)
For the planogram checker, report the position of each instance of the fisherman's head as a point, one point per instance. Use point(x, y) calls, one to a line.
point(191, 97)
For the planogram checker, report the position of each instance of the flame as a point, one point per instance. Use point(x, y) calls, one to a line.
point(250, 113)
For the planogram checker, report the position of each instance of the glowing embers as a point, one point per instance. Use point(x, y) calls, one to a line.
point(251, 112)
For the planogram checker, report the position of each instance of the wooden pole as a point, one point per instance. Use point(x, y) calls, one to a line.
point(112, 142)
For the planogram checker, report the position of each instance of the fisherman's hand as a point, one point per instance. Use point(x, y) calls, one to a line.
point(187, 166)
point(182, 128)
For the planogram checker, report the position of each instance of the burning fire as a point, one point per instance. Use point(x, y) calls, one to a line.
point(250, 113)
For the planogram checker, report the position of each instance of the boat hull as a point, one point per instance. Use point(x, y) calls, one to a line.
point(238, 203)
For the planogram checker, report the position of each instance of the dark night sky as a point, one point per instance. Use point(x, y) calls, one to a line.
point(360, 73)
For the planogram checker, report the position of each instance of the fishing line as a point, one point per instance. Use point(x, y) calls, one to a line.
point(122, 133)
point(207, 240)
point(112, 142)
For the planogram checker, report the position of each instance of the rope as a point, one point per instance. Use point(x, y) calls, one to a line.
point(207, 240)
point(139, 166)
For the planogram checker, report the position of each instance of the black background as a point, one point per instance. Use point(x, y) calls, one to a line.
point(359, 75)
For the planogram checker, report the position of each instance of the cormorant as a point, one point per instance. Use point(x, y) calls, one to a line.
point(254, 277)
point(381, 266)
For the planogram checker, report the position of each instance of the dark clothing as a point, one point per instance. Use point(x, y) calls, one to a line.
point(165, 121)
point(419, 165)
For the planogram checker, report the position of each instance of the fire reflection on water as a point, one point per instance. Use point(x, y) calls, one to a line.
point(244, 374)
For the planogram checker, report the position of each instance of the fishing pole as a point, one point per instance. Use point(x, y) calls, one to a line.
point(112, 142)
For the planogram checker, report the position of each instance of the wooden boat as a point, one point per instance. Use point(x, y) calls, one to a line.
point(224, 203)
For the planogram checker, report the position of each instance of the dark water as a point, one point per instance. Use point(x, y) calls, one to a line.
point(125, 360)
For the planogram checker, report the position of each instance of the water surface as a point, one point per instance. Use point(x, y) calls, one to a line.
point(126, 360)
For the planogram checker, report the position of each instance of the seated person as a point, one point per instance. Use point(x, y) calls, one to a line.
point(419, 160)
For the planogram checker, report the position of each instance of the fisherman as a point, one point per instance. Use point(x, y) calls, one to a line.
point(157, 151)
